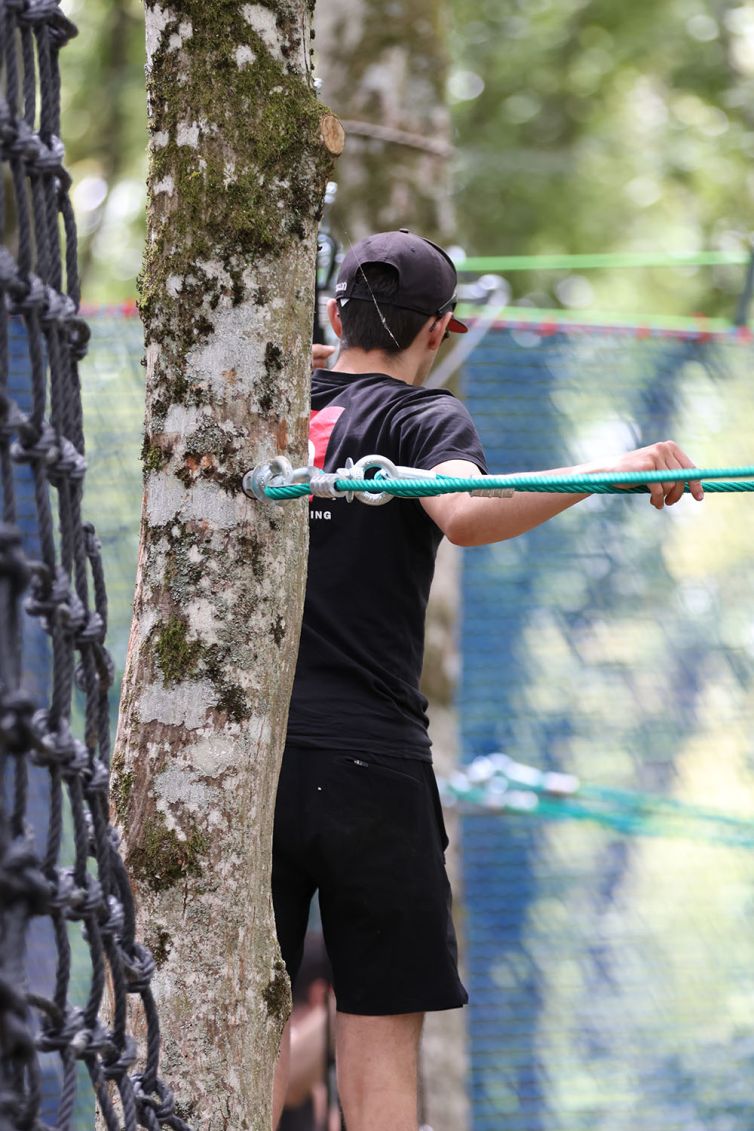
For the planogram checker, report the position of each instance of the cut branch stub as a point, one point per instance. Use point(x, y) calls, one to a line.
point(333, 135)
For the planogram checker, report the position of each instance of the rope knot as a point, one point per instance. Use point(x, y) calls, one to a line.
point(116, 1069)
point(139, 967)
point(112, 923)
point(103, 675)
point(17, 734)
point(58, 748)
point(57, 308)
point(20, 140)
point(92, 631)
point(13, 564)
point(60, 28)
point(78, 334)
point(76, 901)
point(21, 878)
point(29, 295)
point(45, 158)
point(31, 13)
point(97, 779)
point(65, 1035)
point(55, 602)
point(65, 462)
point(92, 1040)
point(34, 445)
point(162, 1104)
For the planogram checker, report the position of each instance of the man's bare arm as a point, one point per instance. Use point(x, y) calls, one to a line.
point(468, 521)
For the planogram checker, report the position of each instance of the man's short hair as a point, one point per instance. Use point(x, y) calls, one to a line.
point(372, 324)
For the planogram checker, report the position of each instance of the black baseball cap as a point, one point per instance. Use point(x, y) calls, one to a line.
point(426, 274)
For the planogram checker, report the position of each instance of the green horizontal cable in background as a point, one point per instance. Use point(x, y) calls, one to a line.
point(602, 261)
point(721, 479)
point(632, 814)
point(727, 832)
point(651, 805)
point(539, 317)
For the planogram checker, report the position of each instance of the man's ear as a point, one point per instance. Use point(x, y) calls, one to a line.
point(333, 314)
point(436, 330)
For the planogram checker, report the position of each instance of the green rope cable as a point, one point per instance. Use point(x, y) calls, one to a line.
point(624, 812)
point(558, 318)
point(602, 260)
point(629, 801)
point(648, 804)
point(714, 480)
point(634, 824)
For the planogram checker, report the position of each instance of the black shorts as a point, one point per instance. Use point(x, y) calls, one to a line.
point(367, 831)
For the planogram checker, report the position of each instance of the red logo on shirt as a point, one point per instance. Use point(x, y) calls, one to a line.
point(321, 425)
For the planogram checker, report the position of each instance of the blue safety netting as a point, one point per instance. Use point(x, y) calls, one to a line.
point(611, 975)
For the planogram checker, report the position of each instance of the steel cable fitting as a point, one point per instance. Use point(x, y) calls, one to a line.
point(271, 481)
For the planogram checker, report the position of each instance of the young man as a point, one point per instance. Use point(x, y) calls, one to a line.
point(358, 816)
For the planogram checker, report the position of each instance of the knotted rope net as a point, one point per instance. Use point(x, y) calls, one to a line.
point(67, 876)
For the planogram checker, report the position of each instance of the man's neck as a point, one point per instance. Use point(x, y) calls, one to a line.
point(401, 366)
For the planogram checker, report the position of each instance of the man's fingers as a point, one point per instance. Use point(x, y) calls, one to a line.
point(675, 456)
point(657, 494)
point(669, 456)
point(674, 491)
point(663, 457)
point(695, 485)
point(320, 354)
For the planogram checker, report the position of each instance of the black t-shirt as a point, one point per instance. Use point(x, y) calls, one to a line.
point(370, 568)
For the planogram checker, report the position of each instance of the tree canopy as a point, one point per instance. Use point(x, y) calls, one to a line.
point(580, 126)
point(596, 126)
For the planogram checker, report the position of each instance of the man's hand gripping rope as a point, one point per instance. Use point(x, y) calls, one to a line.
point(665, 456)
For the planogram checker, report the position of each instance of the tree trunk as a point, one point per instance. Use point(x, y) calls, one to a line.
point(238, 164)
point(384, 70)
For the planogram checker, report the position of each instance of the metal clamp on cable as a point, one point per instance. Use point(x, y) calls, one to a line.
point(322, 484)
point(279, 472)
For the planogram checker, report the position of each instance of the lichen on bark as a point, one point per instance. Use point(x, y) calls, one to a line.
point(177, 656)
point(163, 859)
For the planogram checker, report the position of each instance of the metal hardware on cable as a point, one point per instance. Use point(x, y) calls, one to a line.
point(51, 583)
point(268, 482)
point(495, 783)
point(273, 480)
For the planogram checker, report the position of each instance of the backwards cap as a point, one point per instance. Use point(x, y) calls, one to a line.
point(426, 274)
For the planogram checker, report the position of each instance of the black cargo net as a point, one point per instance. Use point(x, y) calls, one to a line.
point(63, 874)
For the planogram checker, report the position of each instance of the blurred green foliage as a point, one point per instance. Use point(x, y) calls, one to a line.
point(103, 114)
point(598, 126)
point(580, 127)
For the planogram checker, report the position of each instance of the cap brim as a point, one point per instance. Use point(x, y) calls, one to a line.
point(457, 327)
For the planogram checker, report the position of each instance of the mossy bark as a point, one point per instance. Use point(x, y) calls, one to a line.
point(237, 172)
point(386, 64)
